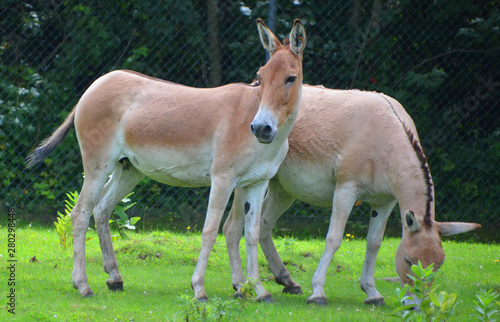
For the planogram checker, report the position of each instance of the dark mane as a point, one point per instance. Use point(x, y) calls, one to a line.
point(424, 165)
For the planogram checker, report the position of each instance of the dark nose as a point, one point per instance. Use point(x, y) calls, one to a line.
point(263, 132)
point(267, 130)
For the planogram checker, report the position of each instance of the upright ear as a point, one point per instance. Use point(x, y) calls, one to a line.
point(452, 228)
point(411, 222)
point(268, 39)
point(298, 38)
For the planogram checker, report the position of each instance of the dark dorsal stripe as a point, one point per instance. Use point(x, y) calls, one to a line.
point(424, 165)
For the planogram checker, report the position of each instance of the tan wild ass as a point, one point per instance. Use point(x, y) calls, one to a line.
point(131, 126)
point(350, 145)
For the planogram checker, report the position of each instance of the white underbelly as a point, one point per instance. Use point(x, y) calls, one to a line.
point(173, 167)
point(309, 184)
point(315, 184)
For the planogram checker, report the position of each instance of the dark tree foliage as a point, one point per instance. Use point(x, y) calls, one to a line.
point(440, 59)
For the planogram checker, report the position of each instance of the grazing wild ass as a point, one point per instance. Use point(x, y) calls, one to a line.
point(130, 125)
point(350, 145)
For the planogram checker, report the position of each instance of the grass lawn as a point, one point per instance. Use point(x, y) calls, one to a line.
point(157, 269)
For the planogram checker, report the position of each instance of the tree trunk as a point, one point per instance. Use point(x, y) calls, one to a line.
point(214, 78)
point(273, 8)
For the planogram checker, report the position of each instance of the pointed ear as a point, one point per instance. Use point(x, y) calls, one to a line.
point(411, 222)
point(298, 38)
point(452, 228)
point(268, 39)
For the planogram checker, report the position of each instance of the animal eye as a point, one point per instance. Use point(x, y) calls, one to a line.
point(256, 81)
point(290, 79)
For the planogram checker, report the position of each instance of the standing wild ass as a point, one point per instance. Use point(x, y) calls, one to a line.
point(350, 145)
point(132, 125)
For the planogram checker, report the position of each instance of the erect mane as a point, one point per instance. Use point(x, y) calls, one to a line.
point(424, 165)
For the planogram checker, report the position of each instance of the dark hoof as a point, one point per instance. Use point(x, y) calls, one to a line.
point(377, 301)
point(317, 300)
point(203, 299)
point(88, 294)
point(268, 298)
point(238, 295)
point(117, 286)
point(295, 290)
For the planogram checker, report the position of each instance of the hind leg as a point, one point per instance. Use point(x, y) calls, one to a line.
point(80, 216)
point(123, 179)
point(276, 203)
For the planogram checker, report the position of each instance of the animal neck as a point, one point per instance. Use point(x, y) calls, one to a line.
point(415, 189)
point(287, 126)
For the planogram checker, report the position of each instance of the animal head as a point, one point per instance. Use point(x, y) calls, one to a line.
point(421, 241)
point(280, 81)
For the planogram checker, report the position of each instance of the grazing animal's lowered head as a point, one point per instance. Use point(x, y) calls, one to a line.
point(421, 241)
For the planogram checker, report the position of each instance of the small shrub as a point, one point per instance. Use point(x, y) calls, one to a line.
point(214, 310)
point(122, 222)
point(64, 228)
point(433, 307)
point(486, 306)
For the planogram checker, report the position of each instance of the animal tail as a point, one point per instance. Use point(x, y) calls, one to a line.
point(51, 143)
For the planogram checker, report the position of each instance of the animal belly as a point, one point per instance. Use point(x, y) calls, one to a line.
point(175, 168)
point(312, 185)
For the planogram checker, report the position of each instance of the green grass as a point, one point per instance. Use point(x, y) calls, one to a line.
point(157, 269)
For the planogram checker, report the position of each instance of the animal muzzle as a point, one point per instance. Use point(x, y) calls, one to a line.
point(264, 126)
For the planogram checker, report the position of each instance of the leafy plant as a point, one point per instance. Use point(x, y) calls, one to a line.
point(122, 222)
point(215, 310)
point(433, 307)
point(423, 277)
point(248, 289)
point(443, 306)
point(64, 228)
point(486, 306)
point(287, 243)
point(403, 311)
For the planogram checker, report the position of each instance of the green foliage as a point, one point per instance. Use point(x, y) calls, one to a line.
point(403, 311)
point(423, 277)
point(122, 222)
point(216, 309)
point(287, 243)
point(248, 289)
point(63, 226)
point(433, 307)
point(486, 306)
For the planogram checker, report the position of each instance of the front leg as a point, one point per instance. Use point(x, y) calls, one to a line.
point(233, 230)
point(254, 196)
point(378, 221)
point(343, 201)
point(220, 192)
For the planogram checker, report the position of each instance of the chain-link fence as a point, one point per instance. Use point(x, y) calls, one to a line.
point(440, 59)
